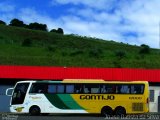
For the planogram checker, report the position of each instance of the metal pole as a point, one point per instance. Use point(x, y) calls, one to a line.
point(159, 34)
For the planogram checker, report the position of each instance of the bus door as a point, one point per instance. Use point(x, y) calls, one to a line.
point(19, 93)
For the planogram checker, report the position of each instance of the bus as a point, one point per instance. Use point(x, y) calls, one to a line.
point(80, 96)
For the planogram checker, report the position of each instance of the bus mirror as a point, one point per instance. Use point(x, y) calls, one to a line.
point(9, 91)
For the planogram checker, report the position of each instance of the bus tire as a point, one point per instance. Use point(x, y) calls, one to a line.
point(34, 110)
point(120, 111)
point(106, 111)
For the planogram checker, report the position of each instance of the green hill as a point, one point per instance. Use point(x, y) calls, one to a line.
point(20, 46)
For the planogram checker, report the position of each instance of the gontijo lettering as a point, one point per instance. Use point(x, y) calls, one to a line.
point(97, 97)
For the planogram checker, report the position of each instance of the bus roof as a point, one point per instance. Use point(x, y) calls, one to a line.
point(98, 81)
point(80, 81)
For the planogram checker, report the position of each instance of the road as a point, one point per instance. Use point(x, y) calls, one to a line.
point(5, 116)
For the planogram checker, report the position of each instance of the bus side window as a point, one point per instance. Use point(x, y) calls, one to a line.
point(108, 89)
point(137, 89)
point(124, 89)
point(103, 89)
point(95, 88)
point(118, 89)
point(60, 88)
point(52, 88)
point(78, 88)
point(91, 88)
point(87, 89)
point(39, 88)
point(69, 88)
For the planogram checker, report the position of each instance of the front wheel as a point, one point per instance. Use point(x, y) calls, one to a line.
point(34, 110)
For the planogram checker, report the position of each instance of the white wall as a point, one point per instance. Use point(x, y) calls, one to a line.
point(154, 105)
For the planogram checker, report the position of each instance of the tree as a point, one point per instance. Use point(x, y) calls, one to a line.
point(145, 49)
point(16, 22)
point(53, 30)
point(59, 30)
point(37, 26)
point(2, 22)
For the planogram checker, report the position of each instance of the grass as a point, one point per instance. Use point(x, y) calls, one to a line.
point(51, 49)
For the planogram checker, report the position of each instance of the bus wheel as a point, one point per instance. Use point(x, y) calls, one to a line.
point(120, 111)
point(107, 111)
point(34, 110)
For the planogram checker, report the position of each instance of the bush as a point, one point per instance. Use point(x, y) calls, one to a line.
point(64, 53)
point(2, 22)
point(97, 52)
point(76, 52)
point(51, 48)
point(27, 42)
point(117, 64)
point(145, 49)
point(120, 54)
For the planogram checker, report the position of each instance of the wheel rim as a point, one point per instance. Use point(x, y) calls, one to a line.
point(120, 111)
point(35, 111)
point(107, 111)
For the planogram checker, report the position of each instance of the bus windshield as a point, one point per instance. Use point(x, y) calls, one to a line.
point(19, 93)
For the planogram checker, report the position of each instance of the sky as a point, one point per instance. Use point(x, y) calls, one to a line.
point(134, 22)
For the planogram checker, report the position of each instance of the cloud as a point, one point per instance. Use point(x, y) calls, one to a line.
point(5, 7)
point(144, 20)
point(6, 11)
point(100, 4)
point(75, 25)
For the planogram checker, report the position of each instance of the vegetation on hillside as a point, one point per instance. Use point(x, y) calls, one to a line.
point(24, 46)
point(33, 26)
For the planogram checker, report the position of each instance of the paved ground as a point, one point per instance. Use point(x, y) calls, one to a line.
point(50, 117)
point(8, 116)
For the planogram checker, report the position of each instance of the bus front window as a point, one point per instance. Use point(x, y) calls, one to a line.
point(19, 93)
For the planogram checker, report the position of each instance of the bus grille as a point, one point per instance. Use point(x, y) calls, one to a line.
point(137, 106)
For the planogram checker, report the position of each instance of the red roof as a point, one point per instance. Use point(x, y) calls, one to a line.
point(43, 72)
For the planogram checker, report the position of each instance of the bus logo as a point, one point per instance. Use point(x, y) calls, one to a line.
point(97, 97)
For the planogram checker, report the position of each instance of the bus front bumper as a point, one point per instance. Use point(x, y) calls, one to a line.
point(17, 109)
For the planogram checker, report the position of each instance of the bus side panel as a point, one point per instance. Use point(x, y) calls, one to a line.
point(94, 103)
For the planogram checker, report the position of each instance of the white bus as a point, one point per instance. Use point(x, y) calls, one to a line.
point(80, 96)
